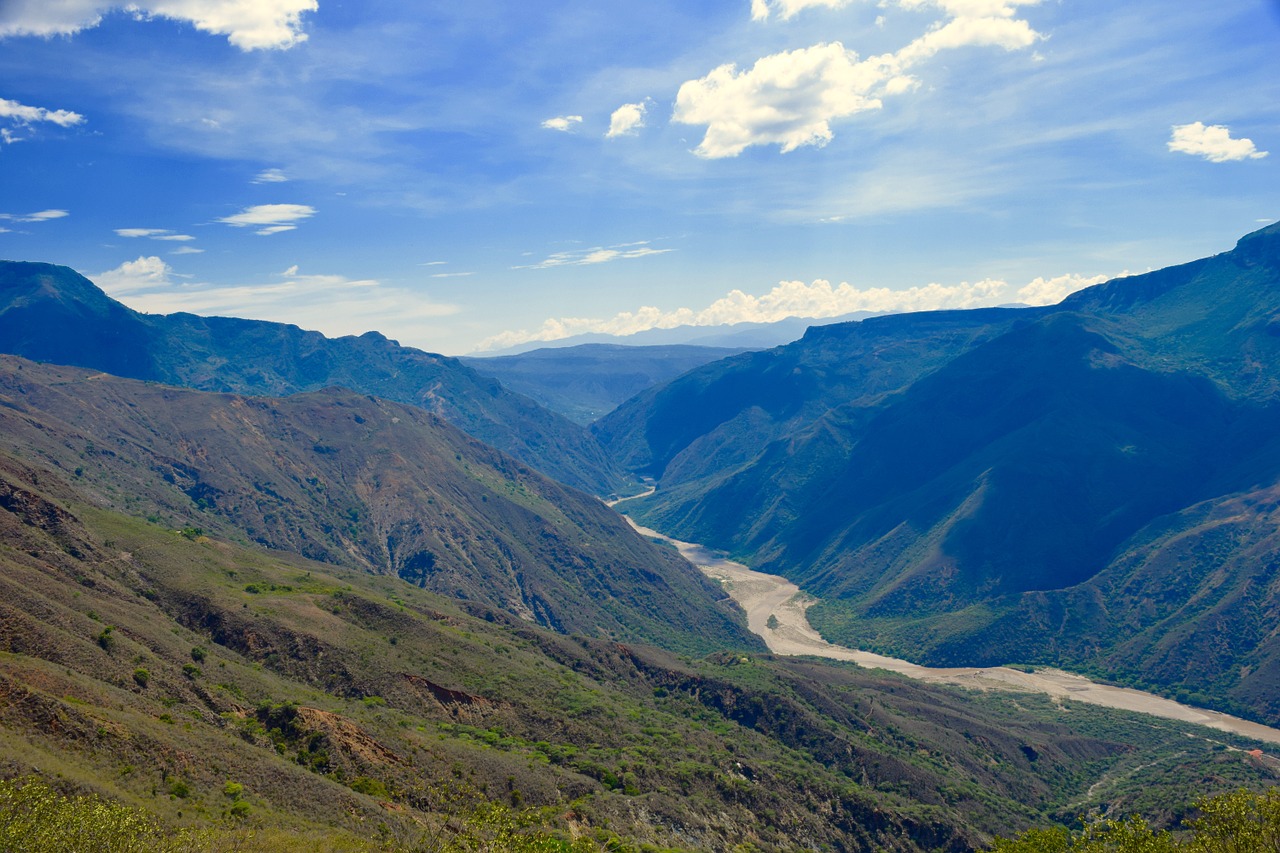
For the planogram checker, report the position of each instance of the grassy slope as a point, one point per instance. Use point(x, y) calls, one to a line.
point(367, 484)
point(339, 699)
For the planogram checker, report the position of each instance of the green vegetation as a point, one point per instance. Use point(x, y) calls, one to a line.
point(1100, 498)
point(1239, 822)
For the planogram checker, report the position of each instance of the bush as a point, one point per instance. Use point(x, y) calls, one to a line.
point(37, 819)
point(142, 677)
point(1241, 822)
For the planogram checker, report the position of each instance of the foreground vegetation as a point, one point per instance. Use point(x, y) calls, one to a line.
point(1239, 822)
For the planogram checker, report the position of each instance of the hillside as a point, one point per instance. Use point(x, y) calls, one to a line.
point(52, 314)
point(1088, 485)
point(368, 484)
point(282, 701)
point(587, 381)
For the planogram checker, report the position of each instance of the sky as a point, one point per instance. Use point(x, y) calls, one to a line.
point(464, 177)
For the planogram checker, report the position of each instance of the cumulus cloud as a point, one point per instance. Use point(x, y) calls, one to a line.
point(270, 176)
point(787, 9)
point(270, 218)
point(1213, 143)
point(817, 300)
point(562, 123)
point(788, 98)
point(791, 98)
point(39, 216)
point(596, 255)
point(333, 304)
point(247, 24)
point(627, 119)
point(137, 276)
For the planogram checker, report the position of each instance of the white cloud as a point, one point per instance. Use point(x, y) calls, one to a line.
point(247, 24)
point(1051, 291)
point(25, 115)
point(186, 250)
point(788, 9)
point(274, 218)
point(788, 98)
point(155, 234)
point(333, 304)
point(270, 176)
point(562, 123)
point(143, 274)
point(39, 216)
point(818, 300)
point(1213, 143)
point(627, 119)
point(791, 98)
point(596, 255)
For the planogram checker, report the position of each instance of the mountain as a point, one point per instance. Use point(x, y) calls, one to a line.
point(265, 701)
point(726, 335)
point(587, 381)
point(53, 314)
point(1089, 484)
point(365, 483)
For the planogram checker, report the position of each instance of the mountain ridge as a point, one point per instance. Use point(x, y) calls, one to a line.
point(50, 313)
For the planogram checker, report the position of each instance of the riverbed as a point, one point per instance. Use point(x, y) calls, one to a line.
point(763, 596)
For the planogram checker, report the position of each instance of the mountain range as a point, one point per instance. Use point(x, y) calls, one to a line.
point(266, 700)
point(51, 313)
point(1090, 484)
point(588, 381)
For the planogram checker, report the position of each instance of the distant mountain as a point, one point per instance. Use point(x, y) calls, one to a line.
point(730, 335)
point(1087, 484)
point(53, 314)
point(364, 483)
point(587, 381)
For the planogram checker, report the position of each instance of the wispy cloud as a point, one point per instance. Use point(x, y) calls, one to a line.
point(21, 115)
point(1213, 143)
point(270, 176)
point(817, 300)
point(155, 234)
point(562, 123)
point(247, 24)
point(270, 218)
point(596, 255)
point(787, 9)
point(333, 304)
point(39, 216)
point(791, 98)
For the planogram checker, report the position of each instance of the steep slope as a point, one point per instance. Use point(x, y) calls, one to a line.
point(228, 687)
point(50, 313)
point(1090, 488)
point(704, 422)
point(366, 483)
point(586, 382)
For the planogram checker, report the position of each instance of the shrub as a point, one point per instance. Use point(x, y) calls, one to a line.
point(37, 819)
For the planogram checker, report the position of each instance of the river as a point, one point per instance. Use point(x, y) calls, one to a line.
point(763, 596)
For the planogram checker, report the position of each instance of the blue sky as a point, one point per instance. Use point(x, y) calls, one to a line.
point(468, 175)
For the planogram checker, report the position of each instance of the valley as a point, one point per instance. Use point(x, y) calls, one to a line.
point(257, 580)
point(777, 611)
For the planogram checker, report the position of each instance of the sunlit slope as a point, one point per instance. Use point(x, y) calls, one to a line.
point(365, 483)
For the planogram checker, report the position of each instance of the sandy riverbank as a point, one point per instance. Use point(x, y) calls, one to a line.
point(762, 596)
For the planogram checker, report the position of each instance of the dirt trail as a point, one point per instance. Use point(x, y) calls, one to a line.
point(762, 596)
